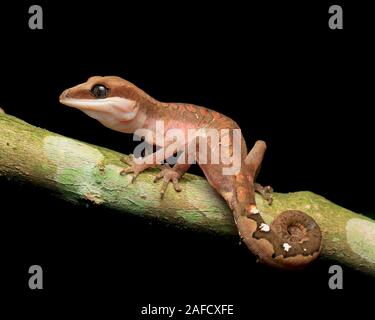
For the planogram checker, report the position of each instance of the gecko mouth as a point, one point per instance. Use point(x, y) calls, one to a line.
point(86, 104)
point(120, 108)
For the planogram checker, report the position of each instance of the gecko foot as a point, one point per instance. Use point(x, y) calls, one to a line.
point(265, 192)
point(134, 168)
point(168, 174)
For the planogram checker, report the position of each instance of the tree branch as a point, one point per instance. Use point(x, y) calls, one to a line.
point(80, 172)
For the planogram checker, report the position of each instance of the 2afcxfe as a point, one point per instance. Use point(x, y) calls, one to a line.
point(211, 309)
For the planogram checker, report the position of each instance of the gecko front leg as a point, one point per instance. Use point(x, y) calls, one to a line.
point(135, 168)
point(173, 175)
point(182, 165)
point(149, 161)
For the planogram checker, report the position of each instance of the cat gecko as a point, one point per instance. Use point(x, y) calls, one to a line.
point(291, 241)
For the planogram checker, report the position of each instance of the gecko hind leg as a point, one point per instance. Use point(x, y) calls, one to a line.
point(254, 161)
point(265, 192)
point(173, 175)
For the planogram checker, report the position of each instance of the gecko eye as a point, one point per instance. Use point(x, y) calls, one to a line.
point(99, 91)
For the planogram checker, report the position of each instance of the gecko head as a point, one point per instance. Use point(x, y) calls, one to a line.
point(110, 100)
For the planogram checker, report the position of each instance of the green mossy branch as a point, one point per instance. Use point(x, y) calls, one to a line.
point(81, 172)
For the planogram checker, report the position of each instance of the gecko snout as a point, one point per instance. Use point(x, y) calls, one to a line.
point(64, 95)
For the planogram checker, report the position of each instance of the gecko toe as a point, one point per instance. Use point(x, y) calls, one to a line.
point(135, 175)
point(126, 171)
point(158, 177)
point(265, 192)
point(126, 160)
point(176, 185)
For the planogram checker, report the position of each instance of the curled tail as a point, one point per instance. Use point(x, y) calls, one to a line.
point(291, 241)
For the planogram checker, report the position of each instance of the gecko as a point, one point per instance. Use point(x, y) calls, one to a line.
point(292, 241)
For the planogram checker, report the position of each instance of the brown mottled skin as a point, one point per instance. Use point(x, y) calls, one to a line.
point(292, 228)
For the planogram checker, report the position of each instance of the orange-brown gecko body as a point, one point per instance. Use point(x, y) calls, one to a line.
point(293, 240)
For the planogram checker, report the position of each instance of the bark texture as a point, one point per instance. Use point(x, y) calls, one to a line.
point(80, 172)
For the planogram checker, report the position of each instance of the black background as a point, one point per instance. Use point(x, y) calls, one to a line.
point(276, 69)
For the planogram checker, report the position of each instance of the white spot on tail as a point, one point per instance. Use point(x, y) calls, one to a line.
point(286, 246)
point(264, 227)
